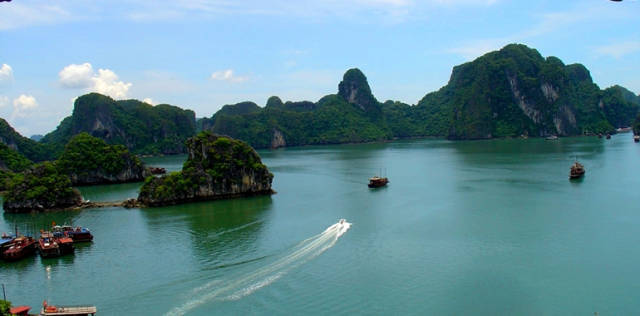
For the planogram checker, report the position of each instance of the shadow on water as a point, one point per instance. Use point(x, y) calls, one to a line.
point(218, 230)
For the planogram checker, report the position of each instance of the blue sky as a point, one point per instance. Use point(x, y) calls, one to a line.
point(202, 54)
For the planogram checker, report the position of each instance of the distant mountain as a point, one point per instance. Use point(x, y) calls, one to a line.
point(353, 115)
point(142, 128)
point(36, 137)
point(515, 91)
point(506, 93)
point(25, 146)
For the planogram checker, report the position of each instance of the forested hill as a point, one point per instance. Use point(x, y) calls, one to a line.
point(141, 127)
point(25, 146)
point(506, 93)
point(352, 115)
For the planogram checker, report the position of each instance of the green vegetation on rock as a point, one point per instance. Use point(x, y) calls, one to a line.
point(10, 162)
point(29, 148)
point(141, 127)
point(90, 160)
point(41, 187)
point(217, 167)
point(507, 93)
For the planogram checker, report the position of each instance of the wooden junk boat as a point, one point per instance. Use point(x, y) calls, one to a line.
point(6, 241)
point(20, 248)
point(51, 246)
point(78, 234)
point(377, 182)
point(577, 171)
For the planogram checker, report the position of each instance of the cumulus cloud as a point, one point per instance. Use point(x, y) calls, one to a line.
point(84, 77)
point(76, 76)
point(227, 75)
point(148, 101)
point(22, 105)
point(6, 73)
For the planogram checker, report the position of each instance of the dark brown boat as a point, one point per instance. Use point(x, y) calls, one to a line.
point(636, 138)
point(22, 247)
point(48, 245)
point(577, 171)
point(608, 136)
point(66, 245)
point(377, 182)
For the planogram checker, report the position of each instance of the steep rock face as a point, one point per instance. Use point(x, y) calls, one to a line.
point(40, 188)
point(139, 126)
point(217, 167)
point(89, 160)
point(355, 89)
point(278, 140)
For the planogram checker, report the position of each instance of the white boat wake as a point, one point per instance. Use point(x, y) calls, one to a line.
point(243, 285)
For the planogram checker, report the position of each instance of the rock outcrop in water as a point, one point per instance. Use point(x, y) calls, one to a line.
point(217, 167)
point(40, 188)
point(90, 160)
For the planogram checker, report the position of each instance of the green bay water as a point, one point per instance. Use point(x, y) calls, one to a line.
point(479, 227)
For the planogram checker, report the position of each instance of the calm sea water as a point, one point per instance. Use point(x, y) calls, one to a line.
point(482, 227)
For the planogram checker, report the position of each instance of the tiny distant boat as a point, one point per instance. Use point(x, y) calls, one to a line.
point(78, 234)
point(636, 138)
point(377, 182)
point(577, 171)
point(599, 135)
point(20, 248)
point(48, 245)
point(552, 137)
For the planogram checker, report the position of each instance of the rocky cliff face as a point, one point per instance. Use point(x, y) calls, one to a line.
point(40, 188)
point(217, 167)
point(277, 140)
point(141, 127)
point(355, 89)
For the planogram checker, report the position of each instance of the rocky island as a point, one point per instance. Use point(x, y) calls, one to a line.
point(41, 187)
point(90, 160)
point(217, 167)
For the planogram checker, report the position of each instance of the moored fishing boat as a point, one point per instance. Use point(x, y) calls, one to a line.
point(21, 247)
point(50, 310)
point(48, 245)
point(636, 138)
point(66, 245)
point(6, 241)
point(78, 234)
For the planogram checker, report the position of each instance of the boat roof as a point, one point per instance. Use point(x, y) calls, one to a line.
point(19, 309)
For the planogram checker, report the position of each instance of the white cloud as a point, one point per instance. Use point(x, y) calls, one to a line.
point(83, 76)
point(106, 82)
point(76, 76)
point(22, 105)
point(148, 101)
point(6, 74)
point(618, 50)
point(227, 75)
